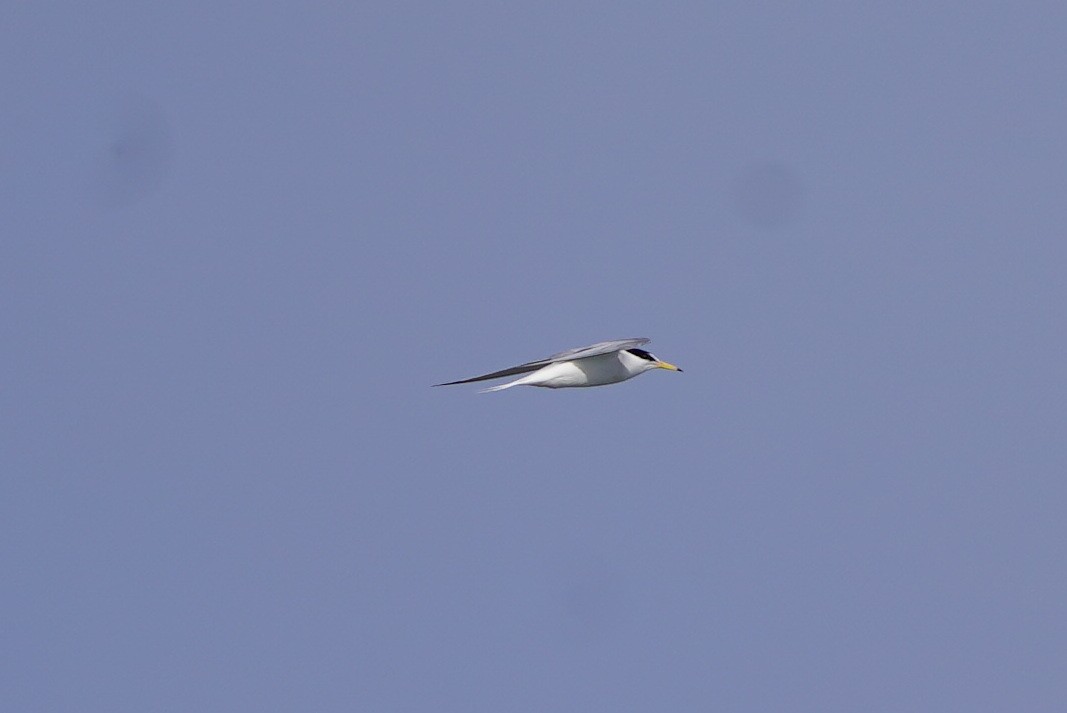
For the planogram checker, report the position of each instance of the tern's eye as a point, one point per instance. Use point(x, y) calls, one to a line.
point(642, 353)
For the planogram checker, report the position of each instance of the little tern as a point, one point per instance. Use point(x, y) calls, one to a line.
point(596, 365)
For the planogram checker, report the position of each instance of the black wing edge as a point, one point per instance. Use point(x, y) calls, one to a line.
point(520, 369)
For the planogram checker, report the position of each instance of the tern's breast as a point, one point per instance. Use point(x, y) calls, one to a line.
point(603, 369)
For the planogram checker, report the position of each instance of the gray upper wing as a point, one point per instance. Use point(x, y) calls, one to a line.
point(569, 355)
point(615, 345)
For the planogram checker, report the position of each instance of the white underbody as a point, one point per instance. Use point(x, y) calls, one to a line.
point(591, 371)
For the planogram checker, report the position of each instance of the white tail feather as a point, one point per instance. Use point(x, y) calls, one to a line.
point(500, 387)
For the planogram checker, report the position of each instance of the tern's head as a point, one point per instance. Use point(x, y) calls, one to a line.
point(647, 361)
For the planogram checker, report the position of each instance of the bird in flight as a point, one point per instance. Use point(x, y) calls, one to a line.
point(596, 365)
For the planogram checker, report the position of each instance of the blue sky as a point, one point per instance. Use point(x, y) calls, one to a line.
point(240, 241)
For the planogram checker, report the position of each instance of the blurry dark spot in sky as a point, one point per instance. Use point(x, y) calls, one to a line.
point(769, 195)
point(592, 599)
point(134, 153)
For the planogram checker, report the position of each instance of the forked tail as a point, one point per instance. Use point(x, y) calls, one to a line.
point(501, 387)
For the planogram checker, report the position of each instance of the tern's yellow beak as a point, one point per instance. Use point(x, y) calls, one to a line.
point(668, 367)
